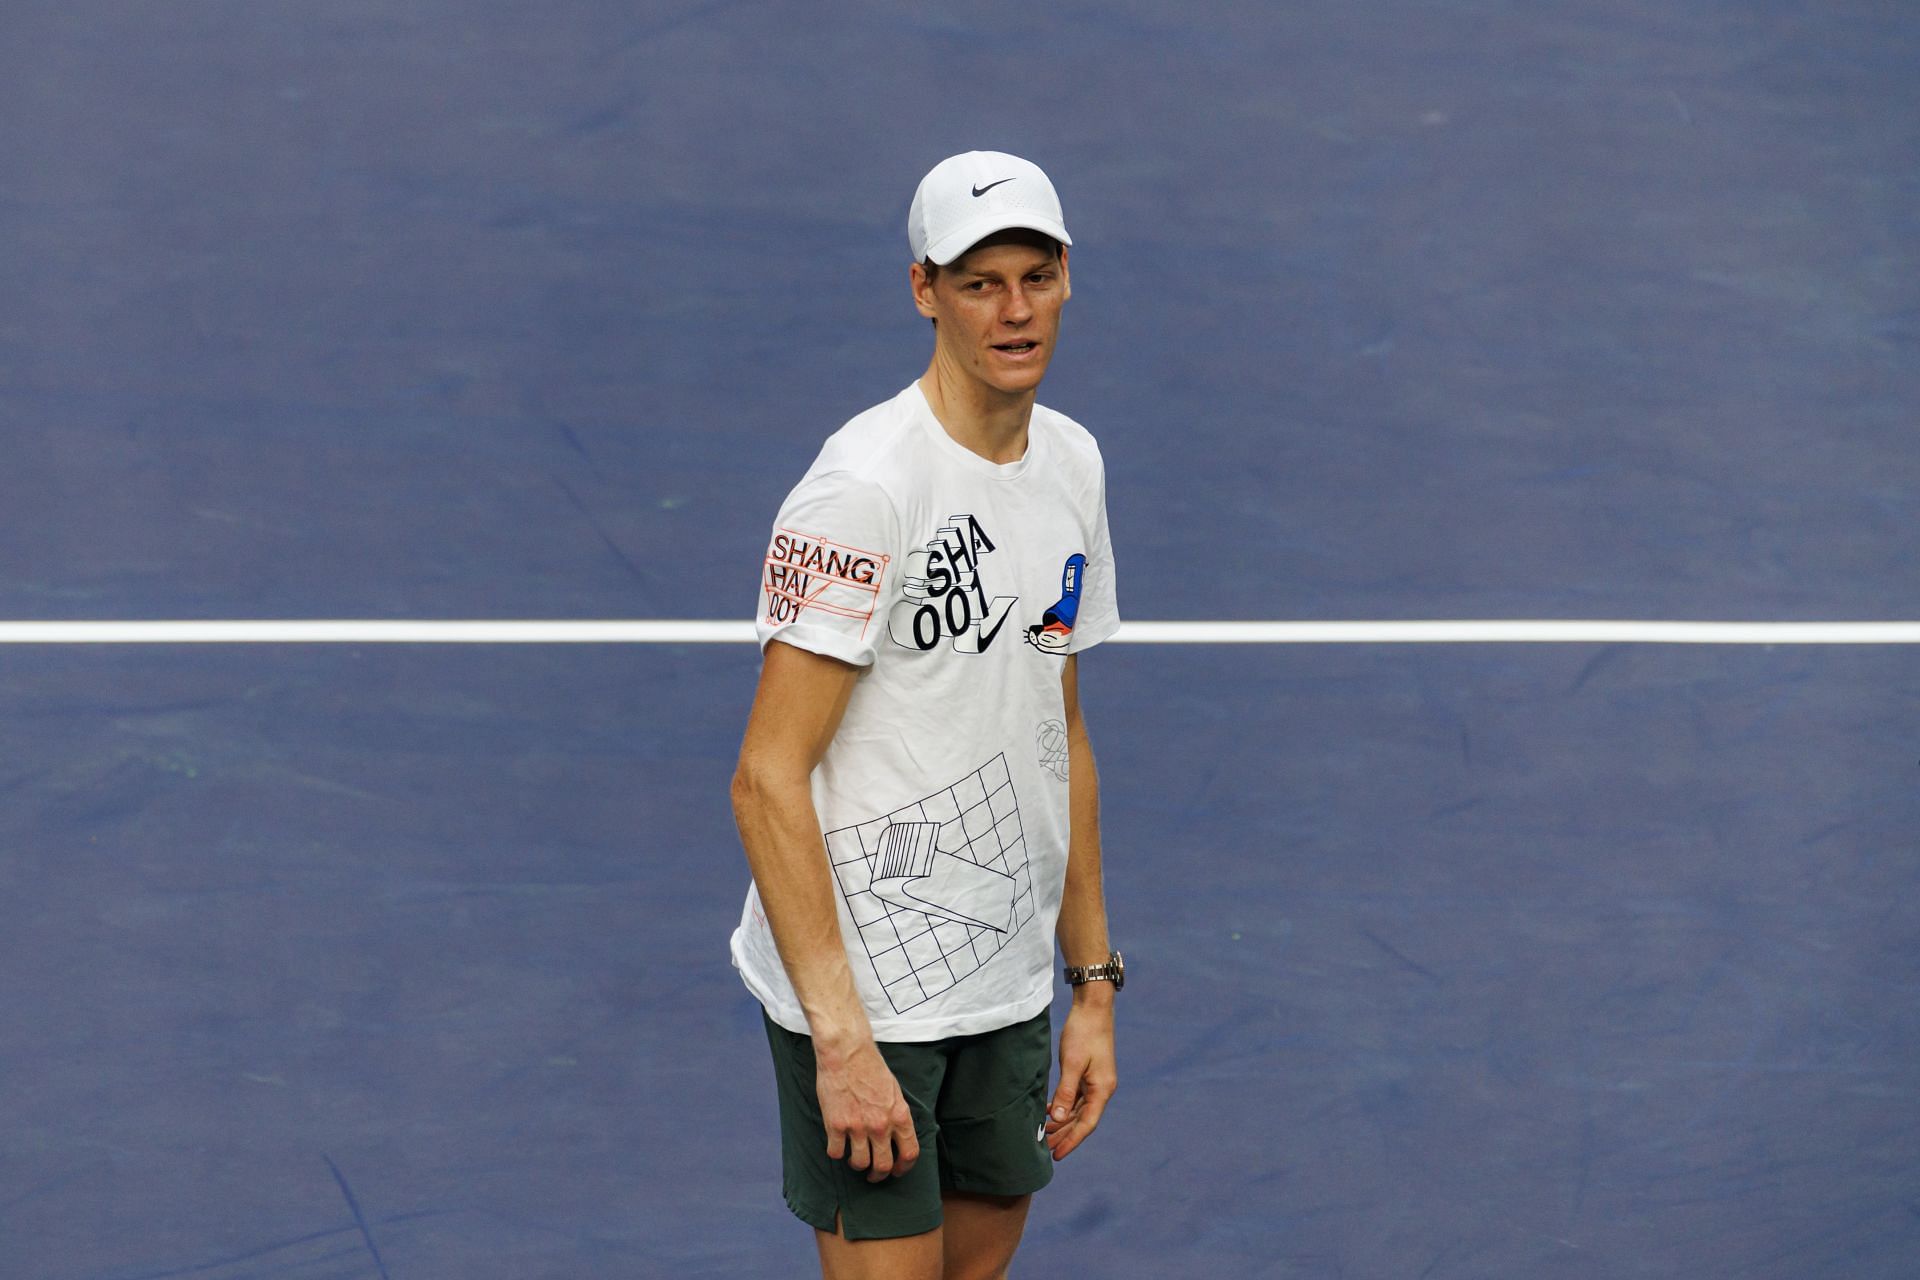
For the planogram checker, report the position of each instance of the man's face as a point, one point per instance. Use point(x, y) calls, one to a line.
point(997, 312)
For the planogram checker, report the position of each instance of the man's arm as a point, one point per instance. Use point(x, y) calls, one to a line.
point(796, 711)
point(1088, 1075)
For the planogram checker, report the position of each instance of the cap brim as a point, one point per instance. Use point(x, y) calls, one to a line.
point(956, 242)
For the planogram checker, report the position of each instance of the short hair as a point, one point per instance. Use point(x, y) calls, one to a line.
point(1012, 235)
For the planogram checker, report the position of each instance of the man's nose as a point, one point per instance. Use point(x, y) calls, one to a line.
point(1017, 309)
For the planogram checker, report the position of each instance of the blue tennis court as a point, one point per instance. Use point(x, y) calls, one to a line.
point(1449, 961)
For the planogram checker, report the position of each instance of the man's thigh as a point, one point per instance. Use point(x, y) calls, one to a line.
point(897, 1258)
point(992, 1110)
point(976, 1242)
point(829, 1195)
point(980, 1234)
point(979, 1104)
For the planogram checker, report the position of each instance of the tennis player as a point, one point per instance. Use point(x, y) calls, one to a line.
point(916, 792)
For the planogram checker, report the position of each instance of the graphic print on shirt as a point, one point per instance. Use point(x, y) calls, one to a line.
point(937, 887)
point(1051, 740)
point(945, 598)
point(1054, 631)
point(805, 571)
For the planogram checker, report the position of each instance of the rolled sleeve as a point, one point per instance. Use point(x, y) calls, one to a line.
point(828, 568)
point(1100, 598)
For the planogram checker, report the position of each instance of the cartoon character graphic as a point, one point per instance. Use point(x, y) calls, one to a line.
point(1055, 628)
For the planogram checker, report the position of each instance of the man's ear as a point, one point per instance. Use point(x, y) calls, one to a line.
point(922, 289)
point(1066, 280)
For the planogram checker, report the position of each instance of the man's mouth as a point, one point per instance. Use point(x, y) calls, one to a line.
point(1021, 347)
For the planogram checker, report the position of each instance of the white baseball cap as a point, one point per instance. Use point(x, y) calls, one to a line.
point(966, 198)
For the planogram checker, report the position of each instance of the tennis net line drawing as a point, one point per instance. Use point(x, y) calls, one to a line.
point(937, 887)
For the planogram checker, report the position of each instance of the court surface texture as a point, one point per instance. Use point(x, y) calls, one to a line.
point(1583, 959)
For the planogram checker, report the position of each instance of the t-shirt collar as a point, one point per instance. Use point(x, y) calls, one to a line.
point(963, 456)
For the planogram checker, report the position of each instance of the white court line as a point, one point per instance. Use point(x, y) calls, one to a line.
point(667, 631)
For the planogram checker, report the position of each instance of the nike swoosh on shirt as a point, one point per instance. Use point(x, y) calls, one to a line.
point(980, 191)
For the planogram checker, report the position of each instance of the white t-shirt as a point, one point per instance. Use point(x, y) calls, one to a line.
point(958, 585)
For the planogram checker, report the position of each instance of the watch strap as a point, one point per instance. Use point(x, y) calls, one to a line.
point(1112, 971)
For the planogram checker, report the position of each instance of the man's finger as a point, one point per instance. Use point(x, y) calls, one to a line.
point(1066, 1097)
point(1067, 1139)
point(1062, 1139)
point(836, 1143)
point(907, 1146)
point(1071, 1135)
point(882, 1163)
point(1092, 1107)
point(859, 1153)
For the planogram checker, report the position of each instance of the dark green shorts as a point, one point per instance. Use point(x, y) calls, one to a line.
point(978, 1104)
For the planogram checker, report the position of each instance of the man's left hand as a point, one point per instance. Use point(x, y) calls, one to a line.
point(1088, 1075)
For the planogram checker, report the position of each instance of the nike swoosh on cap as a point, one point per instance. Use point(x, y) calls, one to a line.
point(980, 191)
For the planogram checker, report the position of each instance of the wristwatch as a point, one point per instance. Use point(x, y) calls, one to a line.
point(1114, 971)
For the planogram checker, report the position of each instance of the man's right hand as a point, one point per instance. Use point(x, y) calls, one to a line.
point(867, 1118)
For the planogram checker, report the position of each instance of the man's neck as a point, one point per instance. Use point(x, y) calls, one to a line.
point(992, 424)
